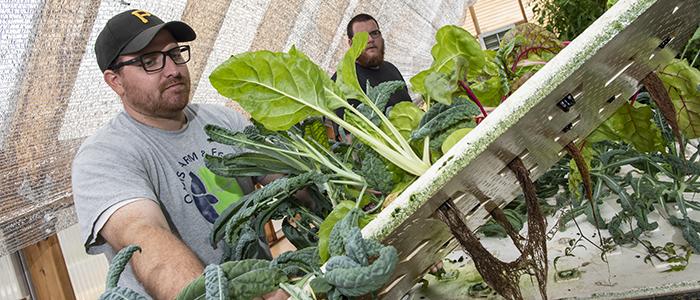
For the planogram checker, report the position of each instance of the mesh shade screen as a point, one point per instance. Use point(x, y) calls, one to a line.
point(52, 94)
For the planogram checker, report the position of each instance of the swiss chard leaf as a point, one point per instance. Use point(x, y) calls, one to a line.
point(315, 132)
point(454, 138)
point(405, 116)
point(633, 125)
point(529, 39)
point(346, 74)
point(278, 89)
point(489, 86)
point(683, 83)
point(452, 44)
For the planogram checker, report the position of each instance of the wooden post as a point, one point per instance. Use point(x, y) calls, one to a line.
point(47, 270)
point(522, 10)
point(476, 22)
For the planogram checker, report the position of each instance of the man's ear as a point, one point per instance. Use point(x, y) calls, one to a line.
point(114, 81)
point(350, 41)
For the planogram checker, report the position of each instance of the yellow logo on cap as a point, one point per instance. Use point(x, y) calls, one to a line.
point(141, 14)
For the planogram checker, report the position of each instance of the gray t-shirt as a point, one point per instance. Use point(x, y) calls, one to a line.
point(126, 160)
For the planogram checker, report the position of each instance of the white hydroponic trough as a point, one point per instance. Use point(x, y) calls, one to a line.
point(600, 70)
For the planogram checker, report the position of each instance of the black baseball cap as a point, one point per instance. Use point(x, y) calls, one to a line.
point(131, 31)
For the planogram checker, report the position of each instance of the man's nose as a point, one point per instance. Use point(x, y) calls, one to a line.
point(170, 68)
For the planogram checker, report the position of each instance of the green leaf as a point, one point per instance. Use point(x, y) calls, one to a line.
point(446, 117)
point(453, 138)
point(529, 36)
point(320, 285)
point(295, 292)
point(324, 232)
point(295, 236)
point(356, 121)
point(492, 228)
point(380, 97)
point(248, 164)
point(633, 125)
point(438, 138)
point(339, 212)
point(234, 269)
point(346, 74)
point(376, 171)
point(278, 89)
point(682, 81)
point(315, 132)
point(247, 245)
point(405, 116)
point(121, 293)
point(452, 44)
point(258, 143)
point(255, 283)
point(361, 280)
point(194, 290)
point(232, 220)
point(441, 87)
point(303, 259)
point(118, 264)
point(216, 283)
point(491, 84)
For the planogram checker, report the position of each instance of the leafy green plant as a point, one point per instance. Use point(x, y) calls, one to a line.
point(388, 151)
point(677, 256)
point(568, 18)
point(116, 268)
point(301, 89)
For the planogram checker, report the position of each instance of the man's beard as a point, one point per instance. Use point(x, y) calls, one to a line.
point(164, 106)
point(371, 61)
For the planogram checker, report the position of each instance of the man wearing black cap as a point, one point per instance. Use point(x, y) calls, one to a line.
point(141, 178)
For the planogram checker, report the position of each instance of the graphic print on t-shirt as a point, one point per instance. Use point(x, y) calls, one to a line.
point(211, 194)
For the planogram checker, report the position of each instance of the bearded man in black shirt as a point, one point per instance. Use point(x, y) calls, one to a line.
point(371, 65)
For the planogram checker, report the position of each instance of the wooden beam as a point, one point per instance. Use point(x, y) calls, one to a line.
point(472, 12)
point(47, 270)
point(522, 10)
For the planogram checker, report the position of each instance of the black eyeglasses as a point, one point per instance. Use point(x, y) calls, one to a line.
point(155, 61)
point(374, 34)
